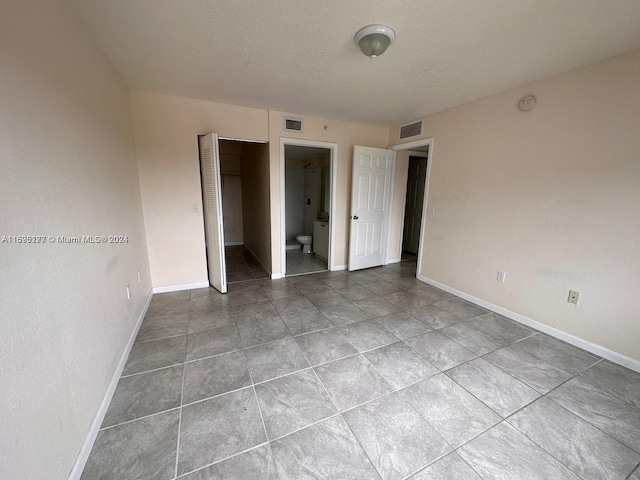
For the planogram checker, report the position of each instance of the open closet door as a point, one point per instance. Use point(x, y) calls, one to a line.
point(370, 200)
point(212, 209)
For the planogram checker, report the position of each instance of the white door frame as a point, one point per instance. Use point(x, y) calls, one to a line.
point(333, 154)
point(409, 146)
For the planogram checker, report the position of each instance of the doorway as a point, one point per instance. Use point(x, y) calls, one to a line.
point(414, 202)
point(416, 170)
point(307, 199)
point(235, 176)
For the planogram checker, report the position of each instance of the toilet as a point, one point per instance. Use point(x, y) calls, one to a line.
point(305, 240)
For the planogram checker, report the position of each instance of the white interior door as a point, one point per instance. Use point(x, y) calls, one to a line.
point(212, 209)
point(416, 181)
point(370, 200)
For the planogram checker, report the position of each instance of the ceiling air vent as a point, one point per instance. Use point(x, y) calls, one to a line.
point(412, 129)
point(293, 125)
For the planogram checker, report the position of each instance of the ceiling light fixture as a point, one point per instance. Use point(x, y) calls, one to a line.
point(373, 40)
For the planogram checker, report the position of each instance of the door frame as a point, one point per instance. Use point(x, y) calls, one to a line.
point(410, 146)
point(333, 156)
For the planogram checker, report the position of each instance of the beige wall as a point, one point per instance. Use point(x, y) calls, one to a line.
point(346, 135)
point(67, 167)
point(166, 129)
point(551, 196)
point(255, 201)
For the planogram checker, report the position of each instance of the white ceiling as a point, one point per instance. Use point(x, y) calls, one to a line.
point(299, 56)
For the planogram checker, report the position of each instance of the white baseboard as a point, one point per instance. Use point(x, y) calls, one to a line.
point(337, 268)
point(83, 456)
point(233, 244)
point(394, 260)
point(594, 348)
point(277, 276)
point(177, 288)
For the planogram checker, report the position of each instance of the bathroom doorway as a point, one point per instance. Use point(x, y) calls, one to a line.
point(307, 204)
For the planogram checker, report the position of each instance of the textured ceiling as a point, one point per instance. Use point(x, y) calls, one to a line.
point(299, 55)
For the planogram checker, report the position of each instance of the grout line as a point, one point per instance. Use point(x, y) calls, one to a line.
point(184, 373)
point(140, 418)
point(224, 459)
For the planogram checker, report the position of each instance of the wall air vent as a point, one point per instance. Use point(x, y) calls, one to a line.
point(292, 125)
point(412, 129)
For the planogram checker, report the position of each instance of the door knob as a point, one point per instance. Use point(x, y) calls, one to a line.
point(355, 217)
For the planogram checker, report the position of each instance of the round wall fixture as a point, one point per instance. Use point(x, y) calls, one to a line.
point(527, 103)
point(373, 40)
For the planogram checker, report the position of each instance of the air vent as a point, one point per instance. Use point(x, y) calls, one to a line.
point(411, 130)
point(293, 125)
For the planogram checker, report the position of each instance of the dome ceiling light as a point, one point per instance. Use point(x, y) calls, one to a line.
point(373, 40)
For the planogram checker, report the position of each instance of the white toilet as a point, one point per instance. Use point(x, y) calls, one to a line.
point(305, 240)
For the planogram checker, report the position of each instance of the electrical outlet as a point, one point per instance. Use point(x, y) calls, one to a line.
point(501, 277)
point(573, 297)
point(128, 293)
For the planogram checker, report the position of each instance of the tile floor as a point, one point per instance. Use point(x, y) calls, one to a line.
point(242, 265)
point(362, 375)
point(298, 262)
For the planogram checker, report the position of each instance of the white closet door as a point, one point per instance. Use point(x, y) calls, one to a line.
point(212, 209)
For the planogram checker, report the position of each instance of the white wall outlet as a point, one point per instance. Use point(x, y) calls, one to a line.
point(139, 277)
point(196, 208)
point(574, 297)
point(128, 293)
point(501, 277)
